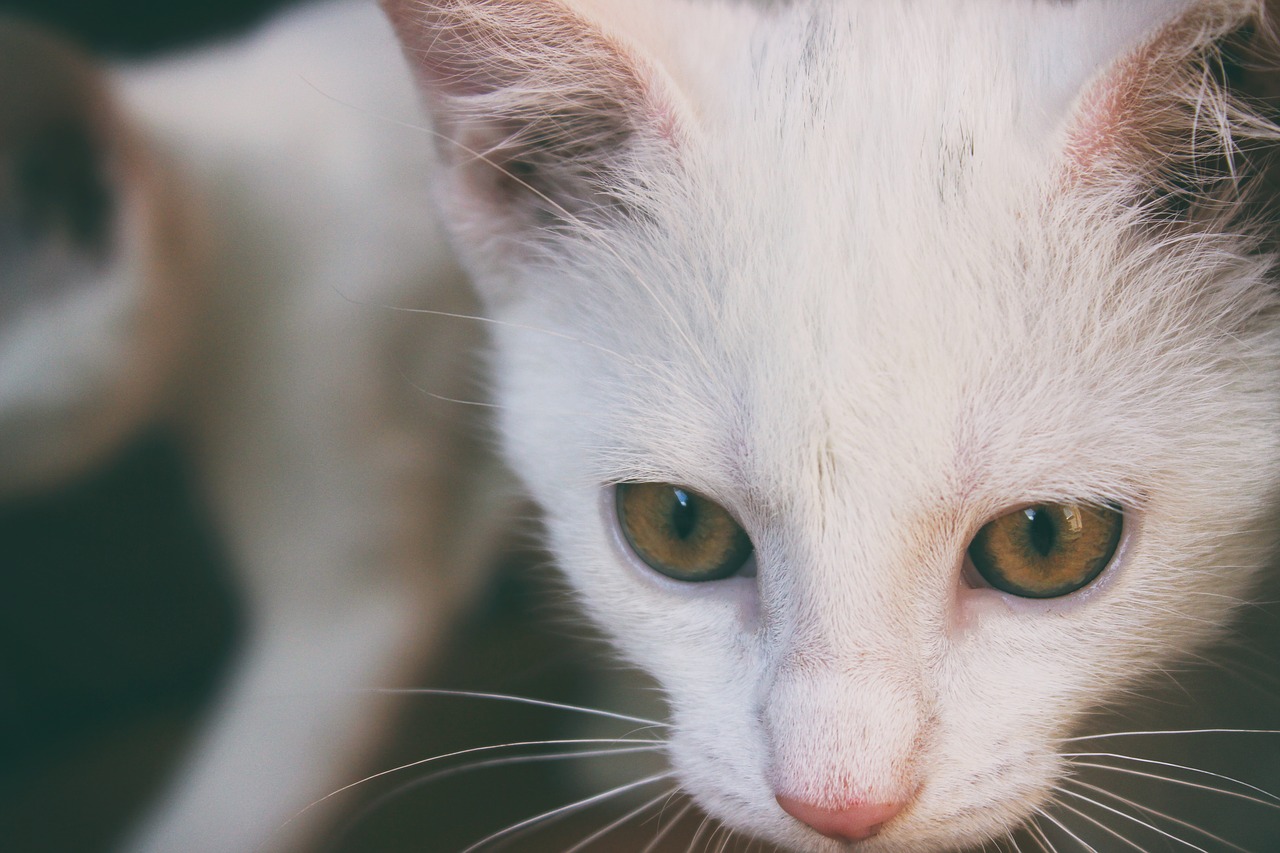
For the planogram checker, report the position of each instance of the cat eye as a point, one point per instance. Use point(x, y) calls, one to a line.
point(680, 533)
point(1046, 550)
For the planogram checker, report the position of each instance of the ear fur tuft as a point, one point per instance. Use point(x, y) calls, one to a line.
point(542, 100)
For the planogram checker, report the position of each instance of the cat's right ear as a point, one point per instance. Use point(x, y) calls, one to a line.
point(1188, 121)
point(98, 277)
point(544, 113)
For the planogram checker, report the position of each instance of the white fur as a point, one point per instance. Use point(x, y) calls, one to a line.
point(865, 310)
point(860, 296)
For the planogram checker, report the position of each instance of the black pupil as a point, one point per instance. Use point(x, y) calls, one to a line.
point(684, 514)
point(1044, 532)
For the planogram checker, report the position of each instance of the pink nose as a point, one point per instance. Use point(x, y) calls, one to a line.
point(854, 822)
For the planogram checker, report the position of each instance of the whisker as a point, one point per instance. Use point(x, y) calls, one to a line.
point(565, 810)
point(471, 751)
point(697, 836)
point(1173, 732)
point(1126, 816)
point(533, 758)
point(1053, 820)
point(711, 839)
point(522, 700)
point(1098, 823)
point(663, 832)
point(1174, 781)
point(1036, 834)
point(478, 318)
point(1157, 813)
point(601, 833)
point(728, 836)
point(1047, 840)
point(481, 404)
point(1189, 769)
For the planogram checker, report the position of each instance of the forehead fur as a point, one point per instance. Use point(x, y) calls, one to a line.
point(909, 248)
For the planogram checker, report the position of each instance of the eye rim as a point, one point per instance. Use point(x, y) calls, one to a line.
point(1118, 547)
point(741, 564)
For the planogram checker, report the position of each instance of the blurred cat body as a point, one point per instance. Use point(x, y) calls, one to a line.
point(867, 275)
point(271, 231)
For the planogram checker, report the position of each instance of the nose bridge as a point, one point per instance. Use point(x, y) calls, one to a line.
point(849, 590)
point(844, 728)
point(844, 702)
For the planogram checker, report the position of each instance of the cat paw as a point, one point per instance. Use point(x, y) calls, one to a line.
point(91, 319)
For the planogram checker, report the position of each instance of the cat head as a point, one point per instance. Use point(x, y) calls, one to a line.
point(898, 379)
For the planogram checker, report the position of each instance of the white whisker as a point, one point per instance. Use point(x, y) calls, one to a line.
point(471, 751)
point(406, 788)
point(1173, 732)
point(664, 831)
point(565, 810)
point(1126, 816)
point(482, 404)
point(477, 318)
point(522, 700)
point(1036, 834)
point(708, 846)
point(1172, 781)
point(1157, 813)
point(1189, 769)
point(601, 833)
point(728, 836)
point(1053, 820)
point(1099, 824)
point(697, 836)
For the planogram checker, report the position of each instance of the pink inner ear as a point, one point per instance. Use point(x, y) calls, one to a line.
point(1134, 111)
point(1109, 121)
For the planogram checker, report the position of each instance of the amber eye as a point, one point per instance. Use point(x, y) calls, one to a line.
point(1047, 550)
point(680, 533)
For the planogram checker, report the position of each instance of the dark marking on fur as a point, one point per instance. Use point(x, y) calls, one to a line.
point(57, 203)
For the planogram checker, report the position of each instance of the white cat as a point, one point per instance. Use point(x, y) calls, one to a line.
point(898, 379)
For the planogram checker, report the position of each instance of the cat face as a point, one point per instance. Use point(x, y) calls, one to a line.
point(860, 293)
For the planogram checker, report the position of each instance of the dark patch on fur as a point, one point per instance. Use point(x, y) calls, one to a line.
point(56, 197)
point(60, 187)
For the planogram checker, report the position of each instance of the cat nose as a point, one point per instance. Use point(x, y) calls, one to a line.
point(853, 822)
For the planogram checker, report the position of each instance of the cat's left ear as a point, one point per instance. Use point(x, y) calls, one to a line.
point(545, 112)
